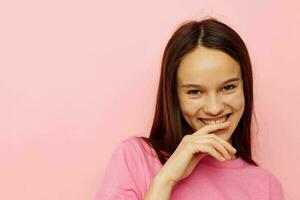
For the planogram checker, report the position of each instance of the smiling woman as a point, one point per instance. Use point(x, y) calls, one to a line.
point(218, 95)
point(199, 146)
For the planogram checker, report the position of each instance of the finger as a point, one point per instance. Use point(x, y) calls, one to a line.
point(211, 151)
point(226, 144)
point(212, 127)
point(216, 144)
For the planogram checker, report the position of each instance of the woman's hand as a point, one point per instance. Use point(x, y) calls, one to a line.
point(192, 149)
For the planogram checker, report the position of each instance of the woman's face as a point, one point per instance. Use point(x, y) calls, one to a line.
point(210, 87)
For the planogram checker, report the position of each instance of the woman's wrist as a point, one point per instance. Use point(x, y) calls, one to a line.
point(160, 188)
point(161, 179)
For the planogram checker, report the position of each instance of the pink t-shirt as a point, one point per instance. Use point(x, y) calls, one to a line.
point(134, 164)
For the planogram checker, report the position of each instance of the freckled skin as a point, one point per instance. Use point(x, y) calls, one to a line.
point(210, 68)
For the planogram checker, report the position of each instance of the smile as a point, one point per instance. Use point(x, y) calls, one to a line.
point(218, 121)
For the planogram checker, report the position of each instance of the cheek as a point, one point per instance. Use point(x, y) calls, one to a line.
point(236, 101)
point(188, 107)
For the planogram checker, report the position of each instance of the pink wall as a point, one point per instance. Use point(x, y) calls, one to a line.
point(76, 77)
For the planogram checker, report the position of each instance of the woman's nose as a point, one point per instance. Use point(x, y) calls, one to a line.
point(213, 105)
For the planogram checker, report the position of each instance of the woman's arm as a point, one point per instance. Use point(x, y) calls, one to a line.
point(160, 188)
point(189, 152)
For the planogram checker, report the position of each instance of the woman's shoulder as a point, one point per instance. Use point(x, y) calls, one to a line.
point(133, 142)
point(137, 145)
point(273, 179)
point(125, 172)
point(262, 173)
point(267, 179)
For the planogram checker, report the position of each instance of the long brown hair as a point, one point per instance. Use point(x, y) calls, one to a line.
point(169, 126)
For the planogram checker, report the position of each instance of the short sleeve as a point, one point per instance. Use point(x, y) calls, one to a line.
point(123, 177)
point(276, 191)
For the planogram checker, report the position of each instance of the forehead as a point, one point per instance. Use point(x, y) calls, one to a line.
point(207, 66)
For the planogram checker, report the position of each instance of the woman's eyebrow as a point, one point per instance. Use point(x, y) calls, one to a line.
point(195, 85)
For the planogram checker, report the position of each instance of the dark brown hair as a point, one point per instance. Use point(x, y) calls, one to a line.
point(169, 126)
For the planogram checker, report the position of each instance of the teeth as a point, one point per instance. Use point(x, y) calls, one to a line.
point(209, 122)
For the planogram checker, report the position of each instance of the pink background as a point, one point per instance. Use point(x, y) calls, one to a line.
point(77, 77)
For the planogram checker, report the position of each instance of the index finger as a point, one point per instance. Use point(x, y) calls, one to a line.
point(212, 127)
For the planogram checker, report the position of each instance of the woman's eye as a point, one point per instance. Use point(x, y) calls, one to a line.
point(229, 87)
point(193, 92)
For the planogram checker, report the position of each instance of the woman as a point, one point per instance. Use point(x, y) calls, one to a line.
point(200, 142)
